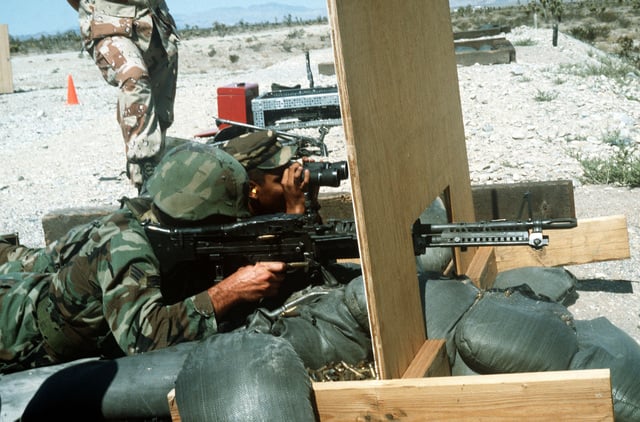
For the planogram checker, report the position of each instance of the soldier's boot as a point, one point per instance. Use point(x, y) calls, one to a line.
point(8, 243)
point(10, 238)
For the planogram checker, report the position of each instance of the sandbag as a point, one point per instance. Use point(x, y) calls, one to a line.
point(556, 283)
point(126, 388)
point(331, 328)
point(460, 368)
point(434, 259)
point(444, 301)
point(18, 388)
point(603, 345)
point(514, 330)
point(249, 377)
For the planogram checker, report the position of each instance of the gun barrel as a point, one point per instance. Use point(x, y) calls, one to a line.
point(497, 225)
point(486, 233)
point(286, 135)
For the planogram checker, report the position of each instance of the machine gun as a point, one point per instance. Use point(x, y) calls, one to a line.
point(214, 252)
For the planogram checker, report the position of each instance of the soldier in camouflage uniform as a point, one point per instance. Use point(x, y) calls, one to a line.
point(135, 45)
point(97, 291)
point(277, 183)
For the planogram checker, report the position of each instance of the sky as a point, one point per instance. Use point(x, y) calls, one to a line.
point(32, 17)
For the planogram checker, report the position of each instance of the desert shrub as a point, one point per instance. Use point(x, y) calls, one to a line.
point(296, 33)
point(543, 96)
point(527, 42)
point(607, 16)
point(589, 33)
point(622, 167)
point(626, 47)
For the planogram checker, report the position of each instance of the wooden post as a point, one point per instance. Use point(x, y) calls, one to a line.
point(6, 75)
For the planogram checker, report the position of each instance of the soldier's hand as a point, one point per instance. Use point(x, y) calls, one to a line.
point(295, 181)
point(312, 193)
point(248, 284)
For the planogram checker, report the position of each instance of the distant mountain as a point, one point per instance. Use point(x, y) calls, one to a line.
point(270, 12)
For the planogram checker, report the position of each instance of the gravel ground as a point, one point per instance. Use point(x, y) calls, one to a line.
point(57, 155)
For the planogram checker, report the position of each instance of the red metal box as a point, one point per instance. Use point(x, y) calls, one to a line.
point(234, 102)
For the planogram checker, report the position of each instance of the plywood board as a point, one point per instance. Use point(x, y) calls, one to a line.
point(6, 74)
point(400, 104)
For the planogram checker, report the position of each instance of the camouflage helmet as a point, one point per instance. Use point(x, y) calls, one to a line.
point(260, 149)
point(194, 181)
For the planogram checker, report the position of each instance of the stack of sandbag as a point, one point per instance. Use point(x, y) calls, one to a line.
point(522, 325)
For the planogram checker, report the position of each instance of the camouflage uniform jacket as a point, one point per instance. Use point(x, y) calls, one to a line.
point(105, 286)
point(129, 18)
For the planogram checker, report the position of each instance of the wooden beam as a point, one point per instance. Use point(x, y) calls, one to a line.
point(583, 395)
point(550, 396)
point(485, 32)
point(431, 361)
point(483, 268)
point(402, 118)
point(549, 199)
point(593, 240)
point(6, 75)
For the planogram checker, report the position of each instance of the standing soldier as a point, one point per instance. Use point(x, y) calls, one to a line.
point(135, 45)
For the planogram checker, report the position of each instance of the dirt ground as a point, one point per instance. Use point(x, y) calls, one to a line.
point(60, 156)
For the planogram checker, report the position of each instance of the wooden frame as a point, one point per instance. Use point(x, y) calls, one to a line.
point(401, 112)
point(402, 117)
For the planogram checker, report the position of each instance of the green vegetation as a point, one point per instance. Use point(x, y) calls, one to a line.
point(614, 68)
point(622, 167)
point(609, 25)
point(545, 95)
point(524, 43)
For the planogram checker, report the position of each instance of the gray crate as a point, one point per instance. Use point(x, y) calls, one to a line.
point(293, 108)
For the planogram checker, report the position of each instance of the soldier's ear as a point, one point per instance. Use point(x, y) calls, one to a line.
point(253, 189)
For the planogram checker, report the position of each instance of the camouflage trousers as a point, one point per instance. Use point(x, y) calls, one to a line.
point(147, 82)
point(21, 343)
point(23, 279)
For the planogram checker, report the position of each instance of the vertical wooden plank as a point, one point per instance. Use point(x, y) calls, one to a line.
point(6, 75)
point(400, 104)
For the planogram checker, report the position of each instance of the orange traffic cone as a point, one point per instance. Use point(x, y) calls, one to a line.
point(72, 97)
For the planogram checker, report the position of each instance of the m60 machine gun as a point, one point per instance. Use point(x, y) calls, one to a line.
point(217, 251)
